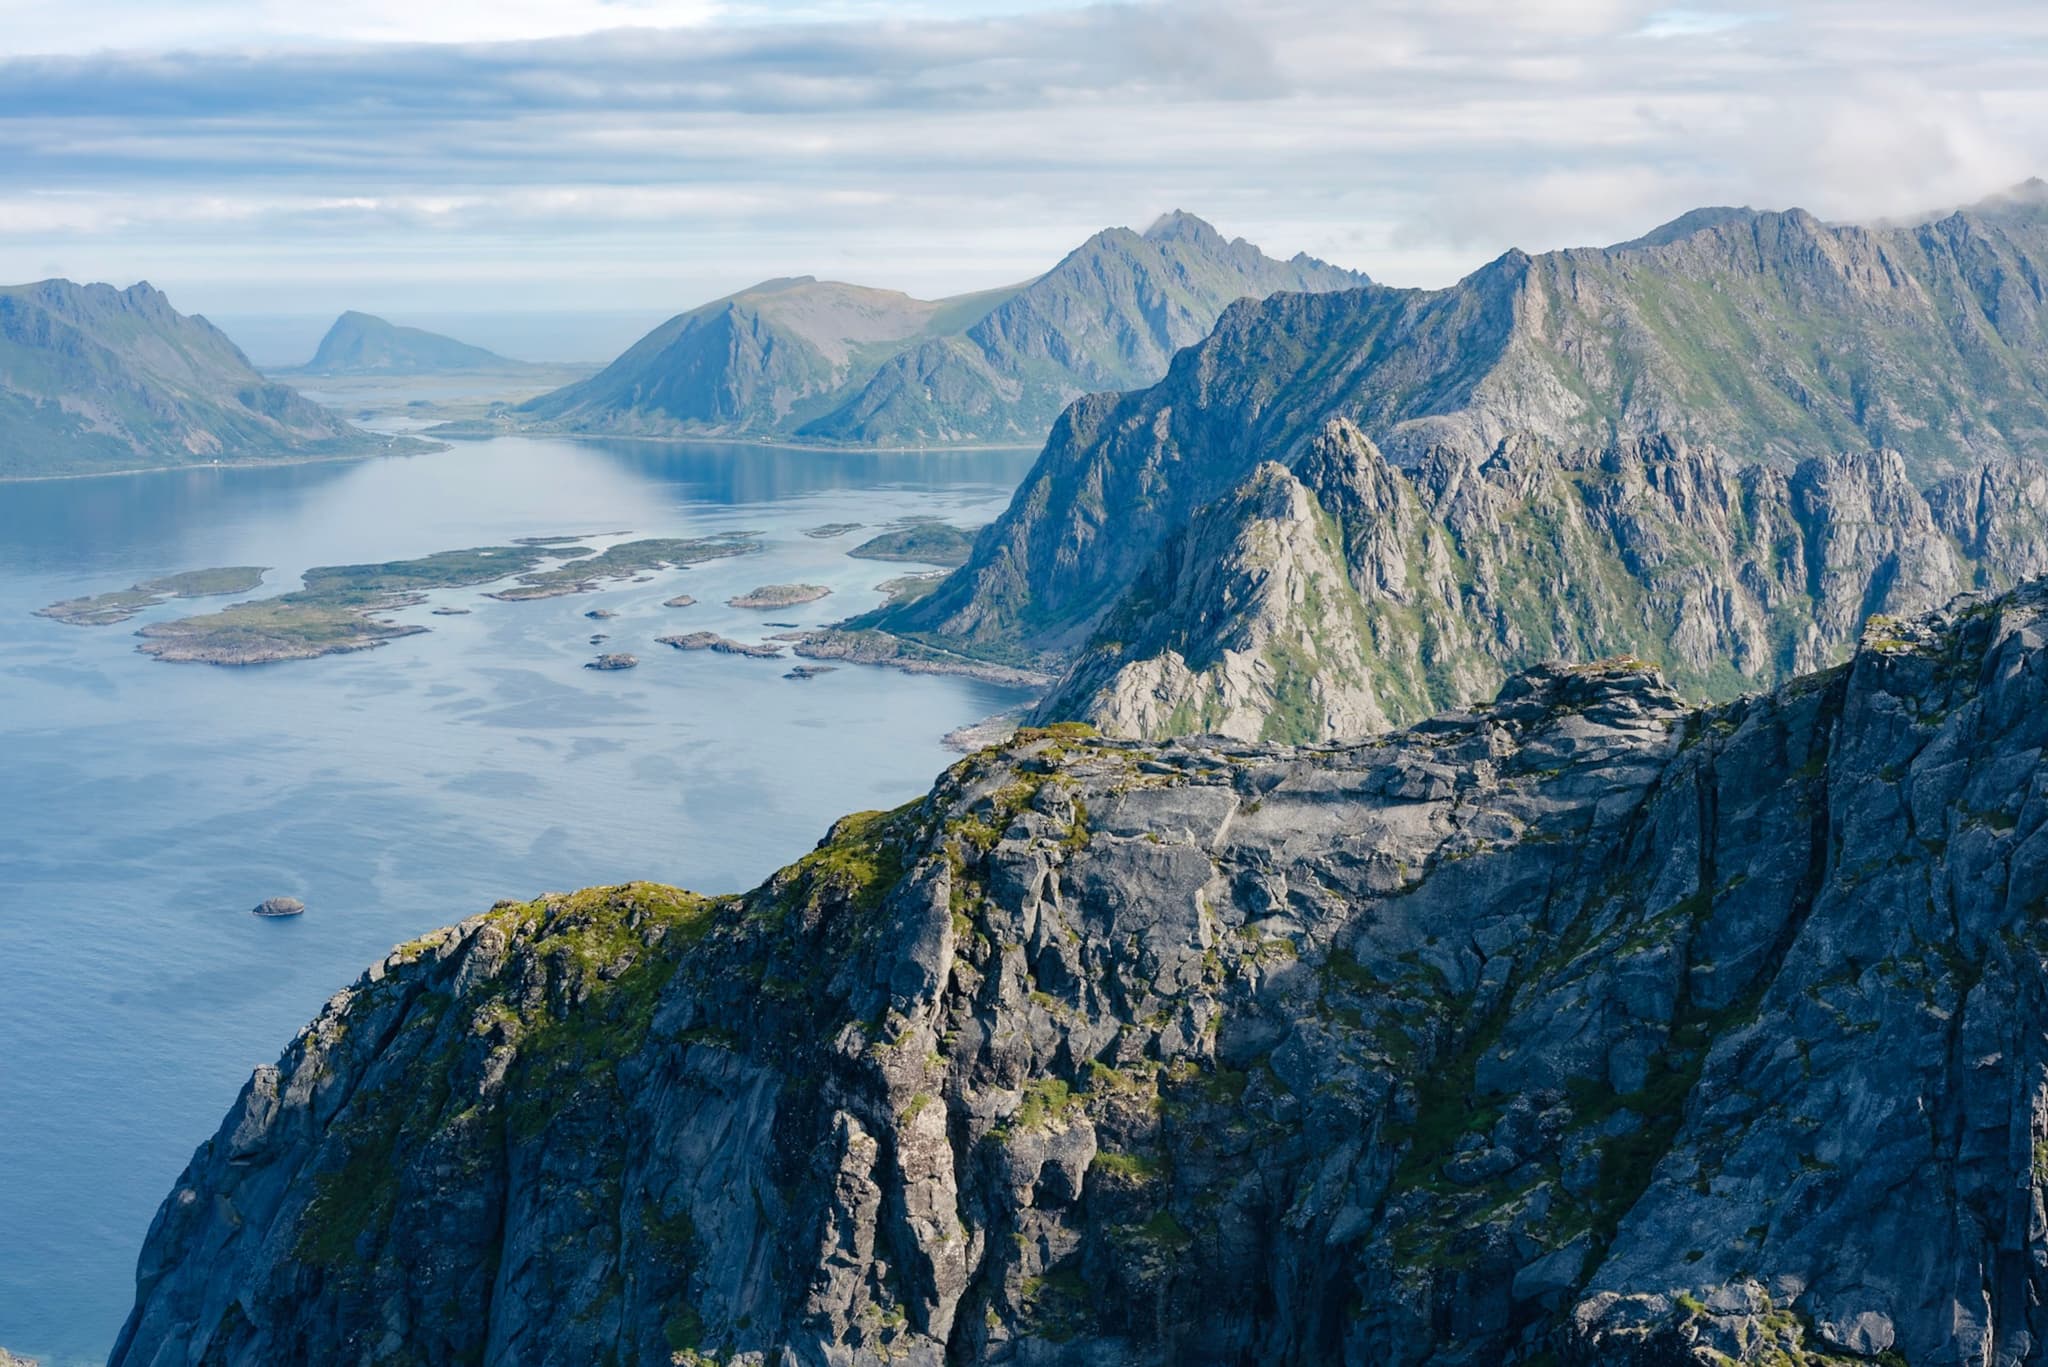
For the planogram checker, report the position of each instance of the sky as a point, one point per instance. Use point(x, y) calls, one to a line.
point(428, 157)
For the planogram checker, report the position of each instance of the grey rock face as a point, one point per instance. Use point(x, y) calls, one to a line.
point(1579, 1027)
point(1415, 590)
point(279, 906)
point(1770, 337)
point(1247, 627)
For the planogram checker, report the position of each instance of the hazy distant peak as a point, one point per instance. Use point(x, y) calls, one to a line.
point(362, 343)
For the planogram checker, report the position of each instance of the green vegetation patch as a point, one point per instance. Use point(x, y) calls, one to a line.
point(624, 561)
point(926, 543)
point(106, 609)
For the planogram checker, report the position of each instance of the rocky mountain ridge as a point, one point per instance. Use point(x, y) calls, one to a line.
point(95, 379)
point(1579, 1028)
point(1772, 337)
point(830, 362)
point(1367, 596)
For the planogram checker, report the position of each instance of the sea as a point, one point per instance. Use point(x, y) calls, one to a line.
point(146, 807)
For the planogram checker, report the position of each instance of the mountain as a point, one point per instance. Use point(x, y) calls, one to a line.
point(360, 344)
point(823, 361)
point(1108, 317)
point(1579, 1028)
point(95, 379)
point(1347, 595)
point(751, 364)
point(1771, 337)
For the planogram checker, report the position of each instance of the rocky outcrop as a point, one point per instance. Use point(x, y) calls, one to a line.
point(1414, 590)
point(1771, 337)
point(1576, 1028)
point(1247, 626)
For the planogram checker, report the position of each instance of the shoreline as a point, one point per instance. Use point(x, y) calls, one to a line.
point(763, 443)
point(446, 442)
point(425, 448)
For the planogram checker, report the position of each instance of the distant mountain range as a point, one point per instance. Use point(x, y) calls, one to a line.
point(96, 379)
point(363, 344)
point(1548, 458)
point(815, 360)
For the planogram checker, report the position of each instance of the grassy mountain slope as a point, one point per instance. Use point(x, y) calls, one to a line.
point(94, 379)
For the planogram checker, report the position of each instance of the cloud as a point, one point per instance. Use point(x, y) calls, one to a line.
point(940, 146)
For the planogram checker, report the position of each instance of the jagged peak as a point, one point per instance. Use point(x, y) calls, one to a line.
point(1509, 268)
point(1178, 225)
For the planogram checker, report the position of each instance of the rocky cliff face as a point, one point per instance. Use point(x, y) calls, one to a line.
point(1773, 338)
point(840, 363)
point(94, 379)
point(1578, 1028)
point(1414, 590)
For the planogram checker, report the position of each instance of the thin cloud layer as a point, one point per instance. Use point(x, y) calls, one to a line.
point(904, 145)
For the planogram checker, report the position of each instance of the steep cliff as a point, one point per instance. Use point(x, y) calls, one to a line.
point(1578, 1028)
point(94, 379)
point(1454, 574)
point(1772, 337)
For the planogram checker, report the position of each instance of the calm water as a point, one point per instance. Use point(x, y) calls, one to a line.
point(145, 807)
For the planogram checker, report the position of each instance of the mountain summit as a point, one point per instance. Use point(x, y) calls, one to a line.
point(832, 362)
point(94, 379)
point(363, 344)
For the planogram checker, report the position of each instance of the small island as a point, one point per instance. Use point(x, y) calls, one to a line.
point(614, 661)
point(278, 906)
point(624, 561)
point(809, 671)
point(926, 543)
point(106, 609)
point(711, 640)
point(342, 607)
point(830, 530)
point(600, 614)
point(681, 600)
point(779, 596)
